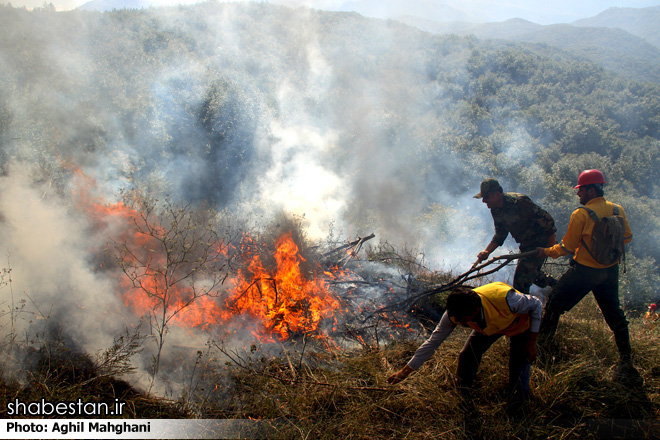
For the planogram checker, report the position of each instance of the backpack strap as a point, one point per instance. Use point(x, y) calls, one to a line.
point(592, 214)
point(596, 219)
point(615, 211)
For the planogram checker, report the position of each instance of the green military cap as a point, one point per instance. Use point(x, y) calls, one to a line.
point(488, 186)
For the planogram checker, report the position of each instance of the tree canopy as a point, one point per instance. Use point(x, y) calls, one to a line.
point(257, 104)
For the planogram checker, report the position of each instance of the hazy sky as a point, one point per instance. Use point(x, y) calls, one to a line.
point(538, 11)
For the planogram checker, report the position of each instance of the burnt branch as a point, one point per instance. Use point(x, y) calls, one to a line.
point(474, 272)
point(351, 249)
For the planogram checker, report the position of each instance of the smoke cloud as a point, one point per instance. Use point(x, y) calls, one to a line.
point(48, 246)
point(255, 110)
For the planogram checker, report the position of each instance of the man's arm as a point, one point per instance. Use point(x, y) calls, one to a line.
point(501, 233)
point(521, 304)
point(426, 350)
point(571, 240)
point(627, 237)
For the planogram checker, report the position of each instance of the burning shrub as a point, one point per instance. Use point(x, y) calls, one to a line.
point(285, 298)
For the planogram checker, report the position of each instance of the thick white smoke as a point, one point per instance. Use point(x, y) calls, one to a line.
point(48, 246)
point(255, 110)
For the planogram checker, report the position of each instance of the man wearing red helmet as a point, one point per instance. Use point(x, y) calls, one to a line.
point(585, 274)
point(651, 317)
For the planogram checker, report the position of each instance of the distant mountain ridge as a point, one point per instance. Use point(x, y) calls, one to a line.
point(641, 22)
point(109, 5)
point(416, 8)
point(623, 40)
point(504, 29)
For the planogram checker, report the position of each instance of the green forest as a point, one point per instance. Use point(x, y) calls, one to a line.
point(351, 125)
point(208, 102)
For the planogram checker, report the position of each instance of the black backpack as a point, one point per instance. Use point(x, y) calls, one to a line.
point(607, 239)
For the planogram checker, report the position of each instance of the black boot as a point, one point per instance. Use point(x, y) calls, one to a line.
point(626, 373)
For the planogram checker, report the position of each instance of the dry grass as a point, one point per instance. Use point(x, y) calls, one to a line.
point(576, 392)
point(333, 393)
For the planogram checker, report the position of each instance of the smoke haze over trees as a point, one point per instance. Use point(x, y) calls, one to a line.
point(623, 40)
point(359, 124)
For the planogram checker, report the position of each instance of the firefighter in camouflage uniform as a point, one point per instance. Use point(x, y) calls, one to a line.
point(529, 224)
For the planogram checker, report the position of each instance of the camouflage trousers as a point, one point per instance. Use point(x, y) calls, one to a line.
point(528, 272)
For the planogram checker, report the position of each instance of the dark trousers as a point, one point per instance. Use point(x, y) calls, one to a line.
point(519, 367)
point(574, 285)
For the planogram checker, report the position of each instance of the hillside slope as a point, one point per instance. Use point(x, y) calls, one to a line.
point(617, 48)
point(642, 22)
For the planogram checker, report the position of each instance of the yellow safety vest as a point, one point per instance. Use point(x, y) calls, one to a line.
point(497, 314)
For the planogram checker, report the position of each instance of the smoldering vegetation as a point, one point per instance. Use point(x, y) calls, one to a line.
point(247, 114)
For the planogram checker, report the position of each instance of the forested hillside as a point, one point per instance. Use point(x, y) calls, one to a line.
point(622, 40)
point(366, 124)
point(182, 189)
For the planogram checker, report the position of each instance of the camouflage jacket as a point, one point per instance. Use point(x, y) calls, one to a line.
point(529, 224)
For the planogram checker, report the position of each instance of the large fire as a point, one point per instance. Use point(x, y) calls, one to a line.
point(280, 301)
point(284, 300)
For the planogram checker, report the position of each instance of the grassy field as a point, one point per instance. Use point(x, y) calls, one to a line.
point(341, 393)
point(576, 391)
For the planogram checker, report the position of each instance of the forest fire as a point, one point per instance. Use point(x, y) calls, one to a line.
point(162, 279)
point(175, 269)
point(285, 300)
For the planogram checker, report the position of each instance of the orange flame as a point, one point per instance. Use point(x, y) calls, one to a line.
point(283, 303)
point(286, 302)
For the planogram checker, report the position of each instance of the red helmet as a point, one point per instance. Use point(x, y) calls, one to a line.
point(588, 177)
point(653, 307)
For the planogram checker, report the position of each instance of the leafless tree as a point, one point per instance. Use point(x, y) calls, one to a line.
point(173, 255)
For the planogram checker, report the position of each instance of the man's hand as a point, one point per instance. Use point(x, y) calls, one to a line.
point(400, 375)
point(541, 252)
point(481, 256)
point(486, 252)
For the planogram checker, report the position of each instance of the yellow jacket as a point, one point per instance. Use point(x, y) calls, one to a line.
point(580, 228)
point(496, 313)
